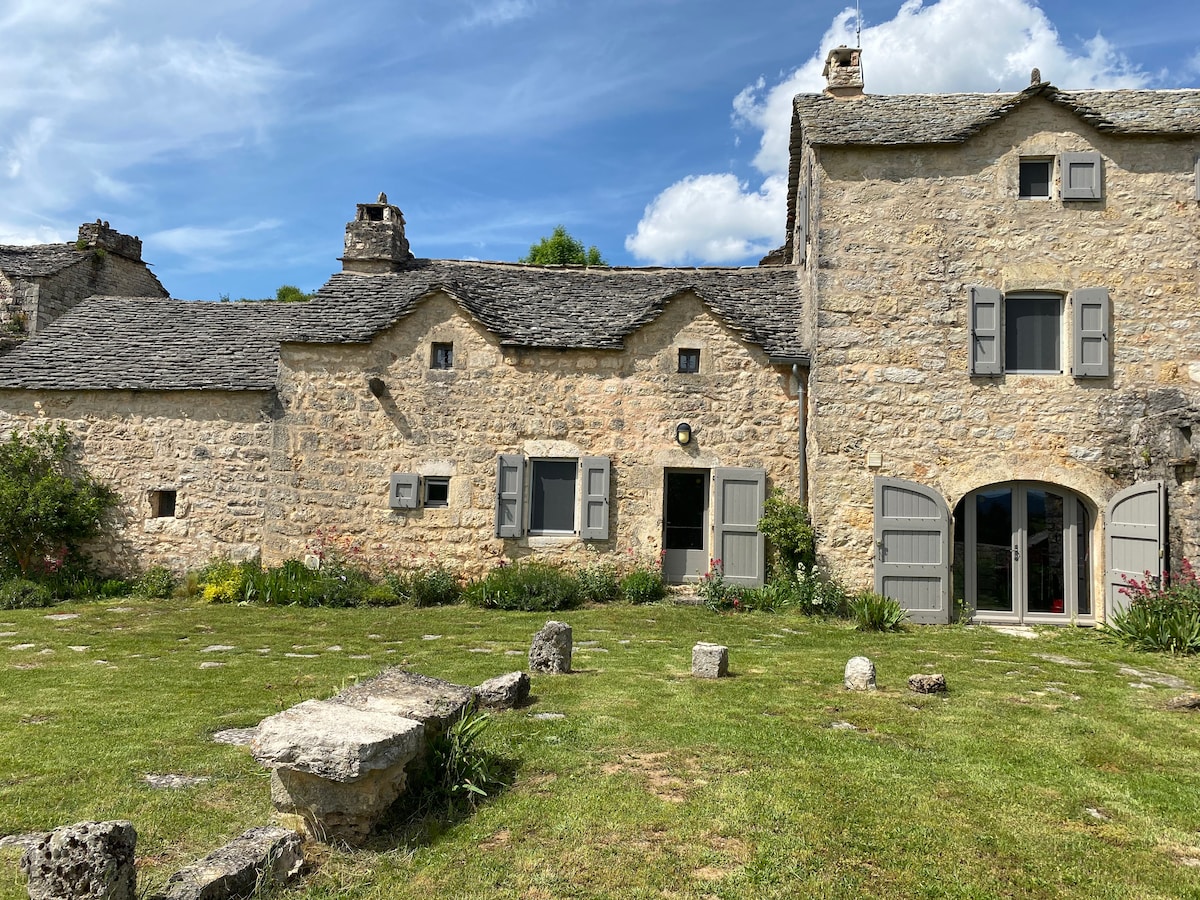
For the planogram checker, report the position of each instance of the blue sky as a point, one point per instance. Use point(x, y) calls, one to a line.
point(236, 144)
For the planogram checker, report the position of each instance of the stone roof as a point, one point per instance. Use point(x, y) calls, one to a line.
point(122, 343)
point(152, 343)
point(38, 260)
point(909, 119)
point(562, 307)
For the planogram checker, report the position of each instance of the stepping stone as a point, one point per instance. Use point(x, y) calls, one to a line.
point(1061, 660)
point(78, 648)
point(211, 665)
point(61, 617)
point(217, 648)
point(235, 737)
point(4, 634)
point(301, 655)
point(175, 782)
point(334, 649)
point(431, 637)
point(22, 646)
point(547, 716)
point(1156, 678)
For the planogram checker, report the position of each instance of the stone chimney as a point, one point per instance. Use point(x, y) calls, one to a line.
point(843, 73)
point(375, 240)
point(98, 236)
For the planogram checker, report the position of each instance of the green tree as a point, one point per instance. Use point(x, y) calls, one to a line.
point(560, 249)
point(48, 505)
point(289, 293)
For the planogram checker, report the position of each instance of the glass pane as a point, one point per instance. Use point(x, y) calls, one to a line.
point(993, 550)
point(1035, 178)
point(1031, 328)
point(552, 504)
point(1083, 567)
point(1044, 559)
point(684, 513)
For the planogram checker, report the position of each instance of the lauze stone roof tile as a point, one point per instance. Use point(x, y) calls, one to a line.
point(122, 343)
point(39, 260)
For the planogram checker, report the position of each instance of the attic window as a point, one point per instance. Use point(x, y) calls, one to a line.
point(689, 361)
point(1035, 179)
point(441, 356)
point(162, 504)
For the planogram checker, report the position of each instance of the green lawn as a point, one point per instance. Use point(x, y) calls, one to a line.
point(1032, 778)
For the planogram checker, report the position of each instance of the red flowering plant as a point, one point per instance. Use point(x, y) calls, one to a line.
point(1163, 614)
point(717, 593)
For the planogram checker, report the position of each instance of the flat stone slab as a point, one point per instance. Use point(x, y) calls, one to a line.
point(431, 701)
point(175, 782)
point(257, 859)
point(1151, 677)
point(1062, 660)
point(237, 737)
point(335, 741)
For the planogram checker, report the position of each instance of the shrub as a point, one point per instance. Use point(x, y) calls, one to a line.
point(791, 539)
point(430, 585)
point(48, 505)
point(643, 585)
point(873, 612)
point(718, 594)
point(599, 584)
point(529, 585)
point(820, 594)
point(224, 581)
point(1162, 615)
point(21, 593)
point(157, 582)
point(115, 587)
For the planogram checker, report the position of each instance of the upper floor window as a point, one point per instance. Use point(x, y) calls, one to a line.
point(441, 356)
point(689, 361)
point(1023, 332)
point(1034, 179)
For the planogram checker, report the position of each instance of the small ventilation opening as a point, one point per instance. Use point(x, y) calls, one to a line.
point(374, 213)
point(162, 504)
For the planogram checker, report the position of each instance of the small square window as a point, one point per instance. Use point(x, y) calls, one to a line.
point(689, 361)
point(437, 490)
point(1035, 179)
point(162, 504)
point(442, 356)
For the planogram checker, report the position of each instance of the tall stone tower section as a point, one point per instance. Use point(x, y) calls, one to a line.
point(375, 241)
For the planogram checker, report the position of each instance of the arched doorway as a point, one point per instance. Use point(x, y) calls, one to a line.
point(1022, 553)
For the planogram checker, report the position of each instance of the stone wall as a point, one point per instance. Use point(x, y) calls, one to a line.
point(905, 232)
point(98, 273)
point(339, 443)
point(212, 448)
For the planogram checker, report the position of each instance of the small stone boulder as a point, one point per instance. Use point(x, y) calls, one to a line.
point(550, 650)
point(1184, 702)
point(503, 692)
point(710, 661)
point(927, 684)
point(860, 674)
point(259, 858)
point(84, 861)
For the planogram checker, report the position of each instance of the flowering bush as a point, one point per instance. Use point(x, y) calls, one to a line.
point(1162, 615)
point(717, 593)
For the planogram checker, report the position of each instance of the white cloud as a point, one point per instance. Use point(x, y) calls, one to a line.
point(947, 45)
point(498, 12)
point(73, 130)
point(191, 240)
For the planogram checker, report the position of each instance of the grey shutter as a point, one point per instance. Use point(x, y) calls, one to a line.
point(404, 491)
point(510, 495)
point(912, 549)
point(1082, 176)
point(593, 498)
point(738, 496)
point(802, 216)
point(986, 320)
point(1135, 526)
point(1196, 179)
point(1091, 333)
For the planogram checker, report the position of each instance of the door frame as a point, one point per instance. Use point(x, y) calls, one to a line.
point(685, 565)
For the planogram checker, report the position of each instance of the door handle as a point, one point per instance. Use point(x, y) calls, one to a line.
point(1016, 554)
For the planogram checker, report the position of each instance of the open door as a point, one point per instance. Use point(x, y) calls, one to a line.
point(1135, 531)
point(738, 496)
point(912, 549)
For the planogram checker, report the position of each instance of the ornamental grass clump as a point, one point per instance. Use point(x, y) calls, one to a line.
point(427, 585)
point(643, 585)
point(1163, 615)
point(873, 612)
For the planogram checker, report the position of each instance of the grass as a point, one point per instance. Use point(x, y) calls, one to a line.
point(1031, 778)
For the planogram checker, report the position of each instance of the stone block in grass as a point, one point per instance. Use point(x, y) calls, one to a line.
point(710, 661)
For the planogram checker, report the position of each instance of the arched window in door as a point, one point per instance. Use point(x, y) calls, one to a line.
point(1022, 553)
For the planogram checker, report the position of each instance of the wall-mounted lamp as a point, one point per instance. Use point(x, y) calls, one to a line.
point(683, 434)
point(376, 386)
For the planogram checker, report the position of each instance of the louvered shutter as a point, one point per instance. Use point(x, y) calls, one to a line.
point(1082, 176)
point(986, 319)
point(510, 495)
point(1091, 333)
point(404, 491)
point(593, 498)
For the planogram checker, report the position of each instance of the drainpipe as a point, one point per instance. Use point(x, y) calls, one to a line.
point(802, 404)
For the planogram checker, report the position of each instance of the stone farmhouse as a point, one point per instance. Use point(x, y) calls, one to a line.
point(40, 283)
point(975, 358)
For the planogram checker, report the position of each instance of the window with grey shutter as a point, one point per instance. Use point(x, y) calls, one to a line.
point(510, 495)
point(1082, 176)
point(986, 316)
point(594, 498)
point(802, 216)
point(1091, 333)
point(405, 491)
